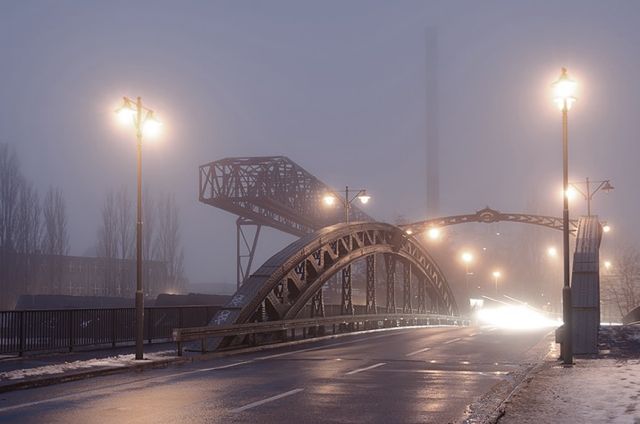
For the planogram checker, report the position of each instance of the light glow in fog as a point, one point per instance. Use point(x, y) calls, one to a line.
point(515, 317)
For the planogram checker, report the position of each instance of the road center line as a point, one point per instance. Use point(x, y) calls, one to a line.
point(222, 367)
point(267, 400)
point(328, 346)
point(457, 339)
point(366, 368)
point(418, 351)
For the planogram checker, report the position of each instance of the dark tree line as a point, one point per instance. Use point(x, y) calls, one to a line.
point(161, 236)
point(29, 226)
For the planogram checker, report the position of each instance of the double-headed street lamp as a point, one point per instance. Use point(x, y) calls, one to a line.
point(564, 96)
point(349, 198)
point(145, 123)
point(588, 194)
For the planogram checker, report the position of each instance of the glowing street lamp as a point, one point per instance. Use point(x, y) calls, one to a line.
point(145, 123)
point(607, 265)
point(434, 233)
point(564, 96)
point(606, 228)
point(496, 275)
point(552, 252)
point(361, 195)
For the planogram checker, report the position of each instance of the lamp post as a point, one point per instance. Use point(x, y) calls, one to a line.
point(564, 96)
point(349, 198)
point(588, 194)
point(361, 195)
point(145, 123)
point(496, 275)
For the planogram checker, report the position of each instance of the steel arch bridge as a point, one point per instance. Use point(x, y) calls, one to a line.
point(293, 278)
point(488, 216)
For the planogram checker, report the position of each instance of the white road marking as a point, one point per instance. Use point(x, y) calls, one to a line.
point(418, 351)
point(474, 334)
point(487, 373)
point(379, 364)
point(222, 367)
point(267, 400)
point(452, 340)
point(328, 346)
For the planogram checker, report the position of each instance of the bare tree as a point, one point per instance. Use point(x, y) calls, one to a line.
point(621, 284)
point(107, 243)
point(28, 234)
point(149, 220)
point(125, 223)
point(167, 243)
point(55, 238)
point(10, 181)
point(28, 219)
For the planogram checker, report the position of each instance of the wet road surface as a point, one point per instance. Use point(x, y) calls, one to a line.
point(401, 376)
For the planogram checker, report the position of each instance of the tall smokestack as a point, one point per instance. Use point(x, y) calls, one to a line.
point(433, 177)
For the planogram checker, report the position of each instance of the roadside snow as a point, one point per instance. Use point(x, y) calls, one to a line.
point(118, 361)
point(601, 389)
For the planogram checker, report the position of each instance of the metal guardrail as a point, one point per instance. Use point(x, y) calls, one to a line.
point(181, 335)
point(66, 329)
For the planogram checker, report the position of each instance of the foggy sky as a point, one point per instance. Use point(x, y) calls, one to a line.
point(339, 87)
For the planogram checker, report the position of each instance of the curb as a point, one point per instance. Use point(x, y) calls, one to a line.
point(81, 375)
point(526, 377)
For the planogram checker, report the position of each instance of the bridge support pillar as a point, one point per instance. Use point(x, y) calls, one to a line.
point(406, 304)
point(390, 265)
point(317, 304)
point(371, 284)
point(422, 307)
point(347, 300)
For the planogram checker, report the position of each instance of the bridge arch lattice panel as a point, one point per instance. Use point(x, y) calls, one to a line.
point(286, 282)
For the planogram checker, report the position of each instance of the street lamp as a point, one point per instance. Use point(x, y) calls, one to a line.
point(552, 252)
point(361, 195)
point(145, 123)
point(434, 233)
point(564, 96)
point(588, 194)
point(496, 274)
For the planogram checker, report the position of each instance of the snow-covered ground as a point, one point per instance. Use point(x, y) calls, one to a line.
point(601, 389)
point(118, 361)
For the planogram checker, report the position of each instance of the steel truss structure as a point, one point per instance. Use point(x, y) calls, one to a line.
point(293, 278)
point(489, 216)
point(268, 191)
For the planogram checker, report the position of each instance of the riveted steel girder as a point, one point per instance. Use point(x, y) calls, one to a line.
point(371, 284)
point(292, 277)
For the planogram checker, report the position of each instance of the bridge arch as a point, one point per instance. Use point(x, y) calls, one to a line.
point(293, 277)
point(488, 216)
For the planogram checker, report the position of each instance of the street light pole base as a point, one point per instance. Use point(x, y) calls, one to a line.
point(139, 325)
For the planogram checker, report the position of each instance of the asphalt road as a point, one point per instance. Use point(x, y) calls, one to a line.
point(402, 376)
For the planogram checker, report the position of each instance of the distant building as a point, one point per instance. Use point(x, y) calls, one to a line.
point(36, 274)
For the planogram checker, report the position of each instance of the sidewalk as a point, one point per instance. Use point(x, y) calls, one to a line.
point(604, 388)
point(38, 370)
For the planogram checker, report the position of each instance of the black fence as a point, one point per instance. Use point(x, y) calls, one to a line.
point(67, 329)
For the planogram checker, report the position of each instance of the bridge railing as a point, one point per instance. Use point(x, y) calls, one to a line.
point(68, 329)
point(314, 326)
